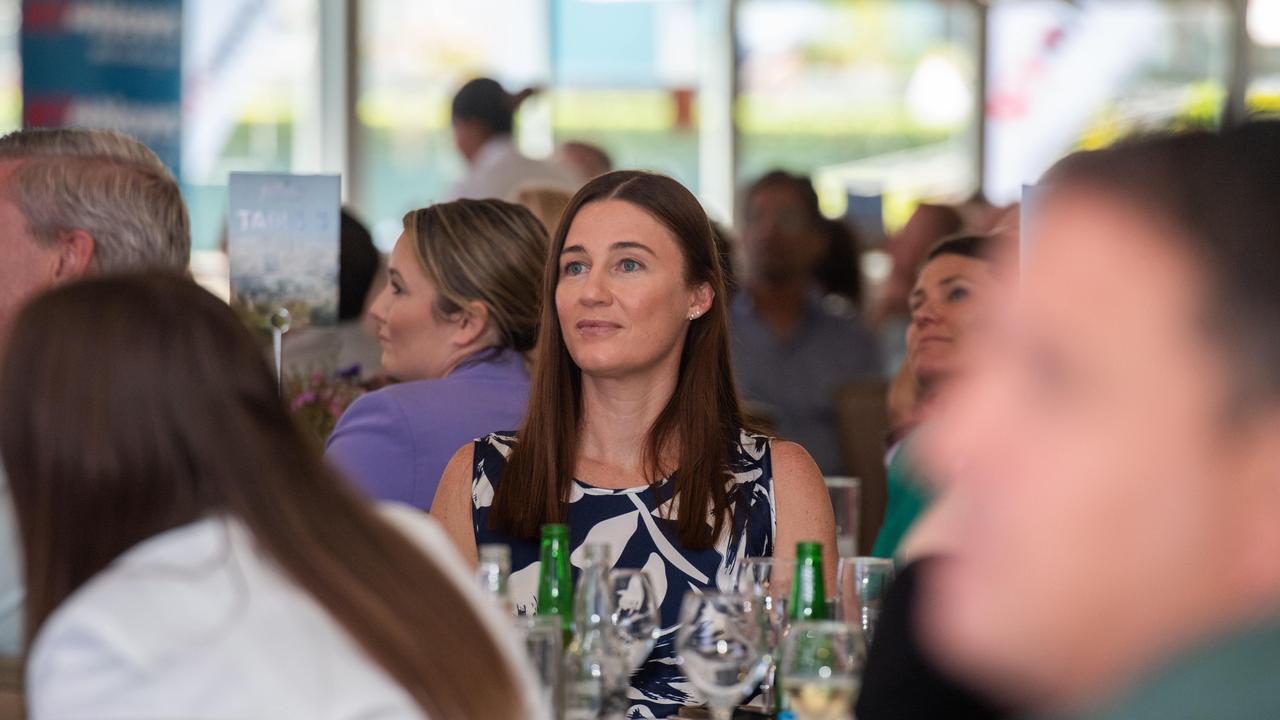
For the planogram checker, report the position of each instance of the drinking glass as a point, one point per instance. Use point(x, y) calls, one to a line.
point(543, 642)
point(768, 581)
point(636, 627)
point(720, 646)
point(845, 493)
point(861, 586)
point(822, 669)
point(635, 615)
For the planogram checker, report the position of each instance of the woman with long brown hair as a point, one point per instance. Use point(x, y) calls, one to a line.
point(634, 434)
point(187, 552)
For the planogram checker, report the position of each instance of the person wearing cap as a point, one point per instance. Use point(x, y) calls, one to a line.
point(483, 117)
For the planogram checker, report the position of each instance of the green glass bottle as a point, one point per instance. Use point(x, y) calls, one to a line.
point(808, 593)
point(808, 602)
point(555, 584)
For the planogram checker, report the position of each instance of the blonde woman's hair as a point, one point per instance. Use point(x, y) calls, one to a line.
point(105, 183)
point(546, 203)
point(486, 251)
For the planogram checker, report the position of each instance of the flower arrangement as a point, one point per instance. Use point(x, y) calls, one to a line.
point(317, 400)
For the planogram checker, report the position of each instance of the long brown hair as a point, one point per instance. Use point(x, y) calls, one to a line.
point(702, 419)
point(132, 405)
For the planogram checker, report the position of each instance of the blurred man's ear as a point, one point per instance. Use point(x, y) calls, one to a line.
point(75, 250)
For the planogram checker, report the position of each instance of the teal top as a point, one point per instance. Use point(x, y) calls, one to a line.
point(1231, 678)
point(908, 500)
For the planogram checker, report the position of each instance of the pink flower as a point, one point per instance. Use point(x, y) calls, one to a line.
point(303, 400)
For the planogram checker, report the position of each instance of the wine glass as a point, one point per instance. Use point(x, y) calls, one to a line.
point(822, 669)
point(636, 627)
point(635, 615)
point(769, 582)
point(861, 586)
point(720, 646)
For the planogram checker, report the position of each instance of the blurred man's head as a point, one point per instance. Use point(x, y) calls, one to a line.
point(1114, 469)
point(783, 234)
point(74, 202)
point(584, 160)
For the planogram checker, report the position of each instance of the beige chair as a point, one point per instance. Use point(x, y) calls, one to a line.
point(862, 421)
point(11, 698)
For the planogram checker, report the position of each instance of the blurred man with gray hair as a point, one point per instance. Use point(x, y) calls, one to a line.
point(73, 203)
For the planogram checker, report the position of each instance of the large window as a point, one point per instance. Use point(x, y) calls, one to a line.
point(1066, 75)
point(10, 66)
point(871, 97)
point(412, 56)
point(626, 78)
point(1264, 30)
point(251, 80)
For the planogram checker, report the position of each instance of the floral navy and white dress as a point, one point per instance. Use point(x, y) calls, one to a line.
point(633, 523)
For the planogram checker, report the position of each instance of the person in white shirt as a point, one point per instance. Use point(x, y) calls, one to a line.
point(75, 203)
point(483, 118)
point(189, 554)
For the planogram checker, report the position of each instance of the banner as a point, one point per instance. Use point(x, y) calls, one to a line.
point(105, 63)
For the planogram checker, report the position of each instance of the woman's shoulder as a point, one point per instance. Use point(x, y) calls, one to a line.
point(175, 585)
point(492, 449)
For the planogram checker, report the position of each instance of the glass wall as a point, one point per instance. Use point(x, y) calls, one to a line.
point(1082, 74)
point(10, 66)
point(1264, 30)
point(251, 80)
point(411, 57)
point(625, 78)
point(871, 97)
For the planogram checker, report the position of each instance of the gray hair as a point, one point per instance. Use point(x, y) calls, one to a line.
point(105, 183)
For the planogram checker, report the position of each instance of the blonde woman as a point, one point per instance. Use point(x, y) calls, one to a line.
point(455, 320)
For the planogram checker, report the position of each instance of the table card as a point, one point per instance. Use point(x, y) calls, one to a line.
point(282, 246)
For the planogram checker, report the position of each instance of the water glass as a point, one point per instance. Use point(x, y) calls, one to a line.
point(845, 501)
point(543, 643)
point(768, 581)
point(720, 647)
point(861, 586)
point(821, 668)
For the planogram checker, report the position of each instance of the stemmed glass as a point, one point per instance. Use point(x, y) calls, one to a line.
point(720, 646)
point(636, 627)
point(862, 583)
point(769, 582)
point(822, 669)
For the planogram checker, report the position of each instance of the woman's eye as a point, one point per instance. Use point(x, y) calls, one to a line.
point(958, 294)
point(629, 265)
point(574, 268)
point(396, 289)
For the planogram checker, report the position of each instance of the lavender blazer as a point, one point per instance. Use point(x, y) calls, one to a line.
point(394, 443)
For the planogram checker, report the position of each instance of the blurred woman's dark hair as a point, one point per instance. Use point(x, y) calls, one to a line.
point(484, 101)
point(839, 271)
point(358, 263)
point(1218, 195)
point(139, 404)
point(977, 247)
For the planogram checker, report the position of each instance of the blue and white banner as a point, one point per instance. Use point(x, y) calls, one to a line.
point(105, 63)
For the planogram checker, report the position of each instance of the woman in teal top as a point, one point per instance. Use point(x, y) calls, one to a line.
point(948, 302)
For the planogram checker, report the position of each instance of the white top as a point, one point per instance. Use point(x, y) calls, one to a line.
point(500, 171)
point(194, 623)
